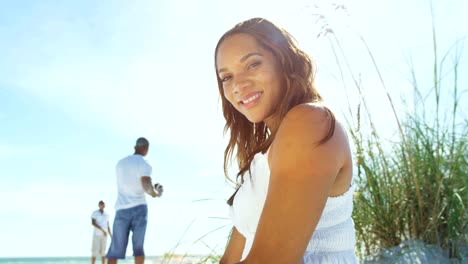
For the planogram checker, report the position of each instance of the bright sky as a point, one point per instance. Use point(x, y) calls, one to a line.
point(81, 80)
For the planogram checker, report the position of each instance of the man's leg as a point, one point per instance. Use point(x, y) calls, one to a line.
point(102, 249)
point(95, 249)
point(139, 259)
point(139, 221)
point(119, 242)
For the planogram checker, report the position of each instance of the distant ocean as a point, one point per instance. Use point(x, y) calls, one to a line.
point(87, 260)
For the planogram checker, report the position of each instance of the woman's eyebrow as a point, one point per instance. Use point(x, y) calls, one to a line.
point(248, 55)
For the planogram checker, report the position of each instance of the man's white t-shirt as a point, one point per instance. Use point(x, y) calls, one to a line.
point(129, 171)
point(101, 220)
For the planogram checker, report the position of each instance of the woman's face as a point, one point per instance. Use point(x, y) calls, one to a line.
point(251, 77)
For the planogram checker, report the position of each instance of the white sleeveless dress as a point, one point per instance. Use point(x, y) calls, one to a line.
point(333, 240)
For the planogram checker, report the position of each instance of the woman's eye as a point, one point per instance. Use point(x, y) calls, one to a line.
point(254, 64)
point(225, 78)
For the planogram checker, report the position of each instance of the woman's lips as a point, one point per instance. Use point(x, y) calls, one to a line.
point(250, 100)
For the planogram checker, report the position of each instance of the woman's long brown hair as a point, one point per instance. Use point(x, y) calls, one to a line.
point(247, 138)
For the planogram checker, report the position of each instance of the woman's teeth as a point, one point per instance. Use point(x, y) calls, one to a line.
point(248, 100)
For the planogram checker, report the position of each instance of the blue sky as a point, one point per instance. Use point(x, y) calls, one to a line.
point(81, 80)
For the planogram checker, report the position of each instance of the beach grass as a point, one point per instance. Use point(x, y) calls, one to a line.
point(412, 187)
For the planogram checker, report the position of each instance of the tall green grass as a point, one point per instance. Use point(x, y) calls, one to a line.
point(414, 187)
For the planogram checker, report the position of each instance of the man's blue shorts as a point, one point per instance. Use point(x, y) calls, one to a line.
point(132, 219)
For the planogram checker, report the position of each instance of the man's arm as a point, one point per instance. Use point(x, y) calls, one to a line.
point(148, 186)
point(108, 229)
point(93, 222)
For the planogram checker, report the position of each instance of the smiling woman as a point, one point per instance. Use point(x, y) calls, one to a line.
point(293, 203)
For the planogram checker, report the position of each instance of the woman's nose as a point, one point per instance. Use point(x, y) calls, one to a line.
point(240, 84)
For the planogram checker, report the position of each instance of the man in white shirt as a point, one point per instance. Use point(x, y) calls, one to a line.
point(100, 221)
point(133, 182)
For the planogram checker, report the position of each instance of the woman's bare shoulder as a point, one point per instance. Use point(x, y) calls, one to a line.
point(314, 118)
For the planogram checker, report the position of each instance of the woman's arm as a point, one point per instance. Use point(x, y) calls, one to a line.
point(234, 248)
point(302, 174)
